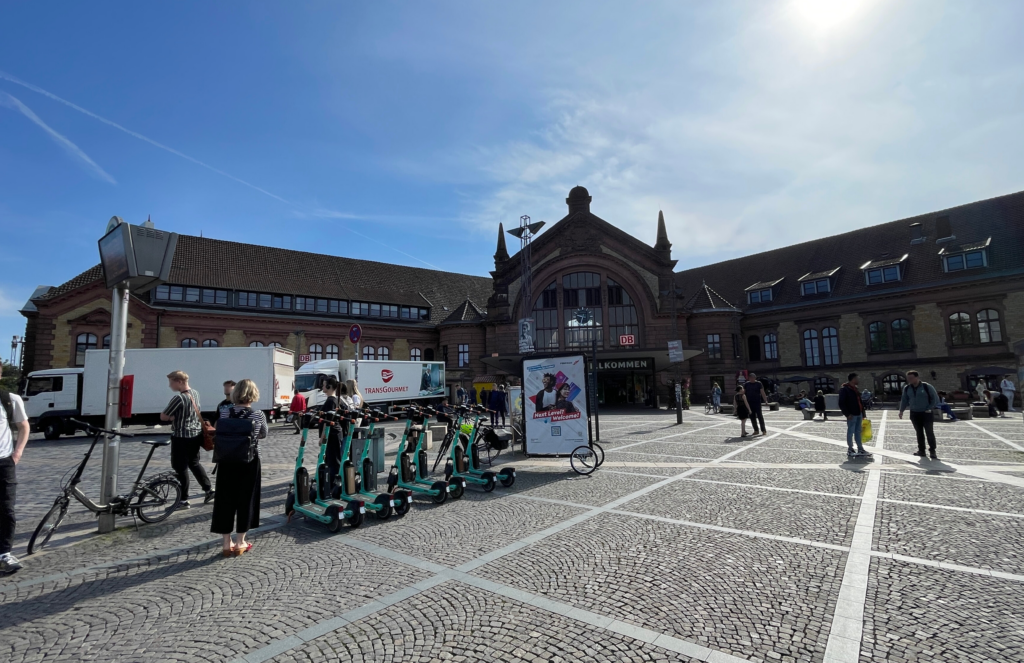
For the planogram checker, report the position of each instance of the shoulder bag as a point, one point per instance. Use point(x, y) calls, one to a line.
point(208, 430)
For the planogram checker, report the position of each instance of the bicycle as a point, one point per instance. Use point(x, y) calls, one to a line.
point(586, 458)
point(152, 499)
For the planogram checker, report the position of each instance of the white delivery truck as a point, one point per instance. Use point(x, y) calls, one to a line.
point(56, 395)
point(380, 381)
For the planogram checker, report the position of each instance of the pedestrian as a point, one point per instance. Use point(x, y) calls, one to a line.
point(1002, 403)
point(716, 397)
point(990, 401)
point(1009, 390)
point(920, 398)
point(852, 408)
point(186, 435)
point(229, 386)
point(354, 395)
point(12, 446)
point(334, 431)
point(460, 395)
point(498, 405)
point(819, 405)
point(755, 397)
point(944, 406)
point(236, 505)
point(296, 410)
point(471, 394)
point(979, 391)
point(804, 403)
point(742, 408)
point(865, 398)
point(485, 397)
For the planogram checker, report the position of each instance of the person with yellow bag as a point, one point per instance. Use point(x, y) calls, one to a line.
point(852, 408)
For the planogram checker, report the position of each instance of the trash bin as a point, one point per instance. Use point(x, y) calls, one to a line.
point(376, 441)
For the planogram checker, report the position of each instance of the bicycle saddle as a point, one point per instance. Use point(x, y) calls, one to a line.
point(156, 443)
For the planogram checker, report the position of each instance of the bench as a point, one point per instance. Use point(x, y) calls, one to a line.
point(726, 408)
point(958, 412)
point(773, 407)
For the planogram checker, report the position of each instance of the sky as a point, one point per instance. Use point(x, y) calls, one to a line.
point(405, 132)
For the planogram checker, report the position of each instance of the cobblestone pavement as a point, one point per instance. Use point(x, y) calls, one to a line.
point(691, 543)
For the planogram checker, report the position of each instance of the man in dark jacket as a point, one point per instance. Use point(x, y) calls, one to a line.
point(853, 409)
point(921, 398)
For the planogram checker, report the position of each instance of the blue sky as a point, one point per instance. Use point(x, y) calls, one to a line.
point(404, 132)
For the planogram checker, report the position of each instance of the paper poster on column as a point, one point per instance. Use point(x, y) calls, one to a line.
point(555, 404)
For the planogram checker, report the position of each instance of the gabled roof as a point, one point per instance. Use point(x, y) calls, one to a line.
point(706, 299)
point(760, 285)
point(467, 311)
point(811, 276)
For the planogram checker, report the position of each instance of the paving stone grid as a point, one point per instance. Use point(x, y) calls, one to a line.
point(689, 544)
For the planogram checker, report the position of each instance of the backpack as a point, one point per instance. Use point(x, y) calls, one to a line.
point(235, 440)
point(5, 400)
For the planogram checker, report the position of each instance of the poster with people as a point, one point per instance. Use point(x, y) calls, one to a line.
point(555, 404)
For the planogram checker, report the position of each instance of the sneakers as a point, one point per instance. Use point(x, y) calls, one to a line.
point(9, 564)
point(184, 504)
point(920, 453)
point(934, 457)
point(209, 497)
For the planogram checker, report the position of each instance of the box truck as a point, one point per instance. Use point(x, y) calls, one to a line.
point(380, 381)
point(54, 396)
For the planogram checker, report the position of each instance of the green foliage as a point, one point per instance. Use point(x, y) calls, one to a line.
point(10, 378)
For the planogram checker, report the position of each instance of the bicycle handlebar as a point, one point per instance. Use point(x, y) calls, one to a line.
point(97, 429)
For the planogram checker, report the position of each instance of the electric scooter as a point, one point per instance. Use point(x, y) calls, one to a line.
point(410, 469)
point(464, 459)
point(300, 500)
point(351, 484)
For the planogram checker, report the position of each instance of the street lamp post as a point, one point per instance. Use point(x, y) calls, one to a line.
point(585, 321)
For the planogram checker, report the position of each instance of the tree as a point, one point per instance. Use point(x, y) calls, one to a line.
point(10, 378)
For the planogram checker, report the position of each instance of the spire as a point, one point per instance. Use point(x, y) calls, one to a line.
point(662, 244)
point(502, 252)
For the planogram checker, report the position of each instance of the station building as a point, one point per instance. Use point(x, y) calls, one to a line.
point(942, 293)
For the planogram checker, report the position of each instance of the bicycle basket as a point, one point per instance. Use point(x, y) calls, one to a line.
point(498, 440)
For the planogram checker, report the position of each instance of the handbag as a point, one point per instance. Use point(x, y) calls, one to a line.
point(208, 430)
point(865, 430)
point(236, 441)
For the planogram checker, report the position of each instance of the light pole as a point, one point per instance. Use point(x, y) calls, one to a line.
point(675, 293)
point(524, 233)
point(585, 321)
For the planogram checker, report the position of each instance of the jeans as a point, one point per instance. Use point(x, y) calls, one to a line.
point(853, 433)
point(924, 426)
point(756, 416)
point(185, 457)
point(948, 410)
point(8, 484)
point(494, 417)
point(716, 401)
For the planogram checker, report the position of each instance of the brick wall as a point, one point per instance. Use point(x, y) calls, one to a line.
point(930, 331)
point(851, 338)
point(789, 345)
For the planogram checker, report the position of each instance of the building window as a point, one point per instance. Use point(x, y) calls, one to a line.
point(321, 306)
point(305, 304)
point(754, 348)
point(622, 318)
point(338, 307)
point(189, 343)
point(878, 337)
point(415, 313)
point(816, 287)
point(968, 260)
point(248, 299)
point(82, 343)
point(383, 353)
point(901, 339)
point(218, 297)
point(825, 385)
point(332, 352)
point(960, 331)
point(256, 344)
point(579, 290)
point(882, 274)
point(545, 319)
point(463, 356)
point(759, 296)
point(266, 301)
point(988, 326)
point(428, 354)
point(316, 352)
point(210, 343)
point(192, 295)
point(368, 352)
point(360, 308)
point(771, 346)
point(812, 351)
point(830, 345)
point(415, 354)
point(106, 342)
point(162, 292)
point(892, 384)
point(275, 344)
point(714, 346)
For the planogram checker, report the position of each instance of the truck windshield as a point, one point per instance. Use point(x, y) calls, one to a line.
point(43, 385)
point(307, 381)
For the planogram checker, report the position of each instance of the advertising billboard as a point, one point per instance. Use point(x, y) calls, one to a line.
point(400, 380)
point(555, 404)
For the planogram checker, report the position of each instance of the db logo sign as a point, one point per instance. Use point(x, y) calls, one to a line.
point(386, 375)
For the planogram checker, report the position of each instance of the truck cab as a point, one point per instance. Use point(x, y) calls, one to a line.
point(309, 379)
point(51, 396)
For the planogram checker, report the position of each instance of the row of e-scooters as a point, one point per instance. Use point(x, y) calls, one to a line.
point(345, 498)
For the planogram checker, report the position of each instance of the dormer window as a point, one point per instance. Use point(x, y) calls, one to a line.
point(818, 287)
point(817, 283)
point(967, 256)
point(762, 292)
point(884, 271)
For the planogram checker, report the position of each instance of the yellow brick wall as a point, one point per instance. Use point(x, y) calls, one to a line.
point(1015, 317)
point(789, 344)
point(348, 349)
point(168, 338)
point(234, 338)
point(930, 331)
point(63, 343)
point(400, 350)
point(851, 339)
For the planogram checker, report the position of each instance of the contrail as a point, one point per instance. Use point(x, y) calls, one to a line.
point(7, 77)
point(72, 149)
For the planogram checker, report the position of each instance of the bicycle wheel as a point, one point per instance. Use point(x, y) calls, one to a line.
point(48, 525)
point(599, 451)
point(492, 453)
point(157, 500)
point(583, 460)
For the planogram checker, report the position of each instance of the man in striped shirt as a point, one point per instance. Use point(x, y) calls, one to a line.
point(186, 435)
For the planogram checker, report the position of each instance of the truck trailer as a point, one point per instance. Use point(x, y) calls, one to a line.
point(380, 381)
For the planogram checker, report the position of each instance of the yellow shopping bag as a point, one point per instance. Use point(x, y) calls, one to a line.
point(865, 431)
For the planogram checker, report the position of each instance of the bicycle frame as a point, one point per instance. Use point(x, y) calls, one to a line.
point(75, 491)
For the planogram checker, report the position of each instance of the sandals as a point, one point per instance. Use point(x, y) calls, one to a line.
point(242, 551)
point(229, 552)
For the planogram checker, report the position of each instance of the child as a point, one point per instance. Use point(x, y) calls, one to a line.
point(819, 405)
point(742, 408)
point(944, 406)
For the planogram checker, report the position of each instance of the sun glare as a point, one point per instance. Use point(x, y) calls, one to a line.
point(825, 15)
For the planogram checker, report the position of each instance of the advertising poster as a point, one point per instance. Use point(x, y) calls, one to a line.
point(555, 404)
point(525, 335)
point(382, 381)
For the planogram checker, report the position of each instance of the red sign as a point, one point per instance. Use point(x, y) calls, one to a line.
point(627, 339)
point(304, 359)
point(127, 390)
point(386, 375)
point(355, 332)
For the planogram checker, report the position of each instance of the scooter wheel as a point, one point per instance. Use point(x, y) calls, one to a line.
point(402, 497)
point(289, 503)
point(490, 482)
point(355, 520)
point(507, 478)
point(441, 488)
point(392, 480)
point(384, 501)
point(458, 489)
point(335, 523)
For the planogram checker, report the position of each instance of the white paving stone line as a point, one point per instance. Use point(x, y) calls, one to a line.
point(784, 490)
point(954, 508)
point(998, 437)
point(948, 566)
point(666, 437)
point(848, 620)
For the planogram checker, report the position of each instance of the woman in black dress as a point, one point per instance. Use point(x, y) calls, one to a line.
point(742, 408)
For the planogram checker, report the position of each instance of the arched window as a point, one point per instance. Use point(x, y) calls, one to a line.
point(830, 345)
point(960, 331)
point(256, 344)
point(383, 353)
point(754, 348)
point(825, 385)
point(812, 351)
point(582, 290)
point(428, 354)
point(189, 343)
point(892, 384)
point(275, 344)
point(988, 326)
point(210, 343)
point(901, 339)
point(332, 352)
point(771, 346)
point(106, 342)
point(82, 343)
point(622, 318)
point(545, 317)
point(878, 337)
point(316, 352)
point(368, 351)
point(415, 354)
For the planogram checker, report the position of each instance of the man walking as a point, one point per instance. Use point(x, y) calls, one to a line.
point(852, 408)
point(460, 396)
point(1009, 390)
point(755, 397)
point(12, 417)
point(295, 410)
point(186, 435)
point(920, 397)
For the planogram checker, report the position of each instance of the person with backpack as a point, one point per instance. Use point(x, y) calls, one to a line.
point(186, 435)
point(920, 398)
point(12, 446)
point(236, 504)
point(852, 407)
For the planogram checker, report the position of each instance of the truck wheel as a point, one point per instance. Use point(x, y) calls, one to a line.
point(52, 429)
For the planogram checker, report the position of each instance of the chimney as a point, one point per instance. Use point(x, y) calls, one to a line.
point(943, 229)
point(916, 233)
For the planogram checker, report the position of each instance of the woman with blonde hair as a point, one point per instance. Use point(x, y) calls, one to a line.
point(355, 395)
point(236, 502)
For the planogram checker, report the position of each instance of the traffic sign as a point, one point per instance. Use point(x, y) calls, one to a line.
point(355, 333)
point(627, 339)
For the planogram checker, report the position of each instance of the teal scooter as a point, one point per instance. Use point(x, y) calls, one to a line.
point(464, 460)
point(301, 498)
point(352, 484)
point(410, 470)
